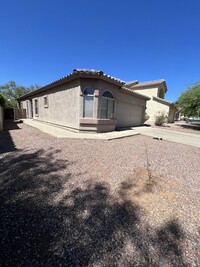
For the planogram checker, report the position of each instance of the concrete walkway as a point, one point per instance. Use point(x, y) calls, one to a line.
point(64, 133)
point(178, 137)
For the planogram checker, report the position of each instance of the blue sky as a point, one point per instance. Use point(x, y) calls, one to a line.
point(43, 40)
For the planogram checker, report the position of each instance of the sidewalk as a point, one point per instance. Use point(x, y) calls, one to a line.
point(178, 137)
point(64, 133)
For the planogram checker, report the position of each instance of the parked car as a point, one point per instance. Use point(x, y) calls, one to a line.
point(193, 120)
point(183, 118)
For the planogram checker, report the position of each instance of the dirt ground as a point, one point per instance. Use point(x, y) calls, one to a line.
point(126, 202)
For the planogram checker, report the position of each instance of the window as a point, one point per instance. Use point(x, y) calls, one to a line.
point(36, 107)
point(107, 105)
point(88, 102)
point(46, 101)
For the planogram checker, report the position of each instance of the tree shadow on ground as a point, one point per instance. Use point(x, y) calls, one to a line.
point(87, 227)
point(191, 126)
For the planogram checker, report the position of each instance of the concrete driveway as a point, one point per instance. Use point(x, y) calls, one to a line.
point(178, 137)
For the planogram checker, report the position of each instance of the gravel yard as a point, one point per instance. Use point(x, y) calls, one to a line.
point(126, 202)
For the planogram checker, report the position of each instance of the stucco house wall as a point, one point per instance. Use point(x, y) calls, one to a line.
point(62, 108)
point(96, 123)
point(155, 107)
point(156, 91)
point(165, 107)
point(65, 99)
point(130, 110)
point(150, 92)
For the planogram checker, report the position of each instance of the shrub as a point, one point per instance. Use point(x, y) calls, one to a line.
point(146, 117)
point(160, 118)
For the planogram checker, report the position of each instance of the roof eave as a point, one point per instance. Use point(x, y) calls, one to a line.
point(163, 101)
point(60, 81)
point(138, 86)
point(74, 76)
point(130, 92)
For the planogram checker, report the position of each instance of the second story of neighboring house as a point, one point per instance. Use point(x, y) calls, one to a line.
point(156, 88)
point(156, 91)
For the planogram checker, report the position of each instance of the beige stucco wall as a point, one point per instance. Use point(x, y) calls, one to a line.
point(94, 84)
point(1, 118)
point(154, 107)
point(150, 92)
point(100, 87)
point(22, 105)
point(129, 110)
point(158, 91)
point(63, 105)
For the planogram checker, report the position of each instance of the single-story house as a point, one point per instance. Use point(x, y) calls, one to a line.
point(86, 100)
point(157, 104)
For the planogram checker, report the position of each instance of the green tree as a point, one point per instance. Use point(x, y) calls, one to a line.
point(189, 101)
point(2, 101)
point(11, 91)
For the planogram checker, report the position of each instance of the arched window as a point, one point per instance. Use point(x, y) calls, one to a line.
point(107, 105)
point(88, 102)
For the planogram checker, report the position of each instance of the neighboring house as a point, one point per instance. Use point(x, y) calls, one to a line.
point(86, 100)
point(156, 91)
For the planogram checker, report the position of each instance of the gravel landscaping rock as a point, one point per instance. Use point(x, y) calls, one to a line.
point(126, 202)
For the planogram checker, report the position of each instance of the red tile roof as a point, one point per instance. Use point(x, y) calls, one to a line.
point(78, 73)
point(149, 83)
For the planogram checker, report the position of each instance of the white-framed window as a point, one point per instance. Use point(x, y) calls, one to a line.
point(46, 104)
point(88, 103)
point(36, 107)
point(107, 105)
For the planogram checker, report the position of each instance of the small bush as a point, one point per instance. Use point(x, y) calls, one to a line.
point(160, 119)
point(146, 117)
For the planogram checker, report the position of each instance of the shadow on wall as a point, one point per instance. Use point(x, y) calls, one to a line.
point(6, 142)
point(88, 226)
point(11, 125)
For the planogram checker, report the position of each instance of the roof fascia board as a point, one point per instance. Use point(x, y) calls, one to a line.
point(72, 77)
point(130, 92)
point(148, 86)
point(163, 101)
